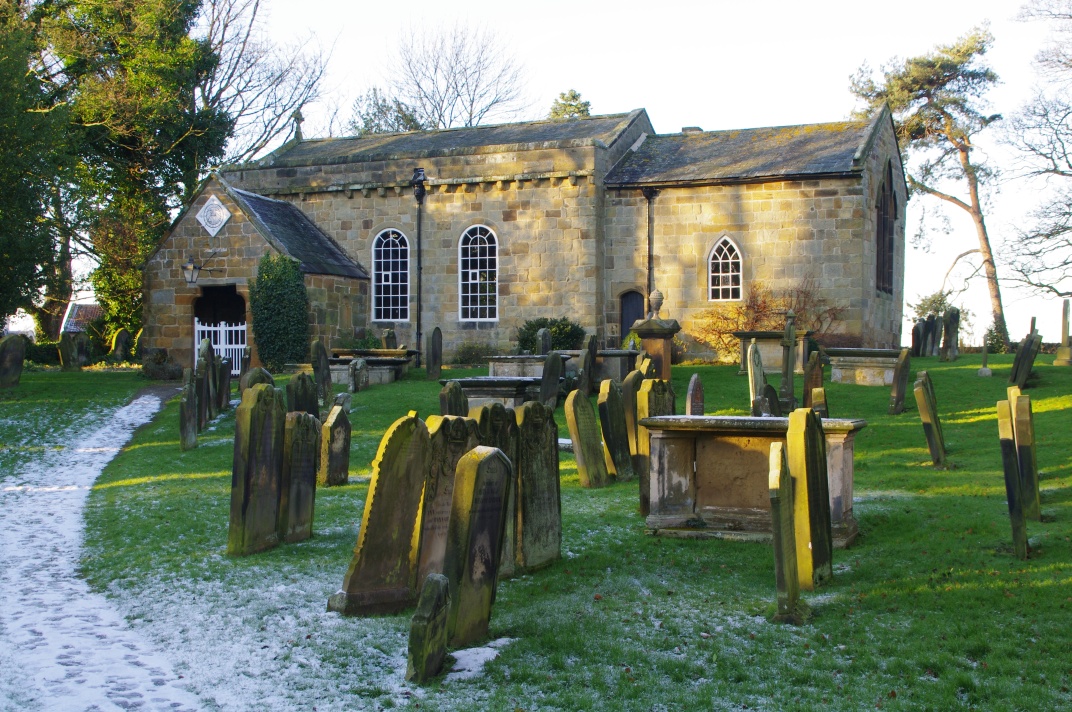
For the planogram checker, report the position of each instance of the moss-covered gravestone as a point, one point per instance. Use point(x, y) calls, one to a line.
point(256, 471)
point(539, 503)
point(223, 384)
point(334, 467)
point(297, 488)
point(818, 402)
point(434, 364)
point(12, 355)
point(449, 438)
point(806, 454)
point(452, 400)
point(121, 346)
point(321, 372)
point(787, 579)
point(68, 353)
point(1023, 428)
point(358, 375)
point(302, 395)
point(428, 630)
point(927, 405)
point(497, 427)
point(254, 376)
point(813, 376)
point(474, 538)
point(630, 388)
point(550, 378)
point(901, 373)
point(616, 453)
point(1013, 481)
point(587, 445)
point(382, 576)
point(656, 397)
point(188, 411)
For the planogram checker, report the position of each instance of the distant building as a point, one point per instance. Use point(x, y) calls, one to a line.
point(79, 315)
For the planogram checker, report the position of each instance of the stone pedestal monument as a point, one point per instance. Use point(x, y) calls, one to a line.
point(657, 335)
point(1064, 351)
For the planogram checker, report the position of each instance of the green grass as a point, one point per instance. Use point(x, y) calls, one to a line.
point(928, 611)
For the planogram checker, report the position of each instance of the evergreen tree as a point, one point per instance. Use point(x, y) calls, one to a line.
point(569, 105)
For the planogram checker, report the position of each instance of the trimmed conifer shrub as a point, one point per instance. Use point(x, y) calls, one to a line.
point(280, 307)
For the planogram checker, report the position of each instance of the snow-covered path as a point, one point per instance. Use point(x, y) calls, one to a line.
point(63, 647)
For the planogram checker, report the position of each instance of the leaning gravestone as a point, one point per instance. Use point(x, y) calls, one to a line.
point(188, 411)
point(1023, 428)
point(452, 400)
point(302, 395)
point(1013, 480)
point(616, 452)
point(254, 376)
point(434, 363)
point(223, 384)
point(428, 631)
point(586, 371)
point(587, 446)
point(256, 471)
point(543, 341)
point(787, 580)
point(1025, 359)
point(539, 504)
point(757, 381)
point(68, 353)
point(473, 540)
point(321, 371)
point(813, 376)
point(382, 576)
point(900, 382)
point(917, 337)
point(496, 426)
point(449, 438)
point(297, 487)
point(806, 455)
point(818, 403)
point(549, 380)
point(359, 375)
point(694, 400)
point(927, 405)
point(12, 355)
point(656, 397)
point(334, 467)
point(388, 340)
point(122, 342)
point(630, 387)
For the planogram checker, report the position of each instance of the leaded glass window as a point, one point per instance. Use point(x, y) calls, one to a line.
point(390, 277)
point(478, 275)
point(724, 272)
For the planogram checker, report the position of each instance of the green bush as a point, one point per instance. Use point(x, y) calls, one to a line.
point(565, 334)
point(280, 307)
point(43, 353)
point(993, 342)
point(368, 341)
point(473, 353)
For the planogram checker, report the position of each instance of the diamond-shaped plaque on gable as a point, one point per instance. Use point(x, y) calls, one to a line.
point(213, 216)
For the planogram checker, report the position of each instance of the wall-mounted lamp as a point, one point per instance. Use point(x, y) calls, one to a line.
point(190, 271)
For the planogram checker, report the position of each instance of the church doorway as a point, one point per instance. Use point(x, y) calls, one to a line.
point(631, 307)
point(220, 317)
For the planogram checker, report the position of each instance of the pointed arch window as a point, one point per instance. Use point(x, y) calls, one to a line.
point(478, 275)
point(390, 277)
point(724, 272)
point(885, 223)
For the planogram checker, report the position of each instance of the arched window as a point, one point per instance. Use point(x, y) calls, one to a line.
point(390, 277)
point(724, 271)
point(885, 220)
point(478, 275)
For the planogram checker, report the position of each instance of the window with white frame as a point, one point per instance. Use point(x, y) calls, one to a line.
point(724, 272)
point(478, 275)
point(390, 277)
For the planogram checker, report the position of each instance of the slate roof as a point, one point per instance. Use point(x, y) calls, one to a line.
point(79, 315)
point(298, 236)
point(475, 139)
point(745, 154)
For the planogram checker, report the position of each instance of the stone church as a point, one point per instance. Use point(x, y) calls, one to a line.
point(476, 230)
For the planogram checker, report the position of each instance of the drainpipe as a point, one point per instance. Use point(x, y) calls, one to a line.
point(419, 192)
point(649, 195)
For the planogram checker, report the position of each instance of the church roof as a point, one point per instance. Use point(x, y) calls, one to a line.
point(294, 234)
point(550, 133)
point(745, 155)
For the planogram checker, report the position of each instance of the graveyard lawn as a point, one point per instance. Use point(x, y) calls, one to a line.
point(929, 610)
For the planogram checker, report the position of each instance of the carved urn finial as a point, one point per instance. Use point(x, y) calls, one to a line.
point(655, 301)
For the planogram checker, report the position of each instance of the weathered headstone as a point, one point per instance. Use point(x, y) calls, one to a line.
point(428, 631)
point(68, 353)
point(344, 400)
point(818, 403)
point(474, 538)
point(207, 363)
point(449, 438)
point(539, 505)
point(334, 449)
point(302, 395)
point(543, 341)
point(254, 376)
point(694, 399)
point(382, 576)
point(452, 400)
point(496, 426)
point(243, 369)
point(1023, 428)
point(550, 378)
point(929, 333)
point(223, 384)
point(121, 347)
point(756, 379)
point(587, 445)
point(901, 373)
point(1013, 481)
point(813, 377)
point(256, 471)
point(917, 337)
point(1064, 350)
point(389, 340)
point(434, 364)
point(951, 325)
point(12, 356)
point(761, 408)
point(984, 370)
point(616, 452)
point(1025, 359)
point(297, 488)
point(321, 372)
point(939, 328)
point(630, 387)
point(83, 348)
point(806, 455)
point(188, 411)
point(787, 581)
point(786, 392)
point(359, 375)
point(585, 371)
point(201, 385)
point(774, 403)
point(927, 405)
point(656, 397)
point(646, 365)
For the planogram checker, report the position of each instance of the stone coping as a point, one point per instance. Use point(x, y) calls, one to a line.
point(526, 358)
point(374, 361)
point(864, 353)
point(365, 353)
point(604, 353)
point(769, 334)
point(743, 424)
point(492, 380)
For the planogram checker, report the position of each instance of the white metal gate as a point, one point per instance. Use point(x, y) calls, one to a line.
point(228, 340)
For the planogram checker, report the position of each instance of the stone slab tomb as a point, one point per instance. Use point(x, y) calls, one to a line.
point(297, 488)
point(863, 367)
point(616, 454)
point(188, 411)
point(334, 468)
point(428, 631)
point(449, 438)
point(434, 362)
point(786, 579)
point(1014, 494)
point(302, 395)
point(382, 576)
point(452, 400)
point(12, 356)
point(358, 375)
point(587, 444)
point(694, 399)
point(496, 426)
point(256, 471)
point(655, 398)
point(539, 502)
point(927, 405)
point(901, 373)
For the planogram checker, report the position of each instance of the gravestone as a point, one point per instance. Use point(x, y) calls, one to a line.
point(382, 576)
point(334, 466)
point(1025, 359)
point(929, 326)
point(630, 388)
point(428, 631)
point(207, 363)
point(587, 445)
point(223, 384)
point(586, 370)
point(12, 356)
point(1013, 481)
point(121, 347)
point(452, 400)
point(550, 378)
point(297, 487)
point(496, 426)
point(917, 337)
point(68, 353)
point(434, 363)
point(818, 402)
point(786, 393)
point(806, 456)
point(813, 376)
point(302, 395)
point(243, 369)
point(927, 405)
point(757, 381)
point(616, 454)
point(539, 504)
point(345, 401)
point(694, 399)
point(388, 340)
point(256, 471)
point(936, 344)
point(201, 385)
point(656, 397)
point(82, 348)
point(188, 411)
point(1064, 350)
point(951, 328)
point(1023, 428)
point(254, 376)
point(321, 372)
point(646, 366)
point(358, 375)
point(773, 402)
point(449, 438)
point(474, 538)
point(900, 382)
point(543, 341)
point(761, 408)
point(984, 370)
point(786, 578)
